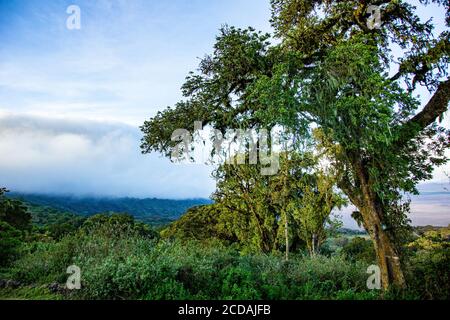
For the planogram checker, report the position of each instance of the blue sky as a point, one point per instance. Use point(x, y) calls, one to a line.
point(71, 101)
point(128, 59)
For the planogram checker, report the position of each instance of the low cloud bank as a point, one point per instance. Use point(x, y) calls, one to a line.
point(66, 156)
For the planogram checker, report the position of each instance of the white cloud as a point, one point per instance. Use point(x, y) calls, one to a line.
point(86, 157)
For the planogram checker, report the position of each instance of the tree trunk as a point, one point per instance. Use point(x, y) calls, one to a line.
point(313, 244)
point(387, 256)
point(286, 234)
point(372, 211)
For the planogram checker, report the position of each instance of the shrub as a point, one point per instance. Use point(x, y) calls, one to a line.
point(10, 241)
point(45, 262)
point(360, 249)
point(429, 265)
point(121, 263)
point(322, 277)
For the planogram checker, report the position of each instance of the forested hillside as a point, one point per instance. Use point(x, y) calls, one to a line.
point(151, 210)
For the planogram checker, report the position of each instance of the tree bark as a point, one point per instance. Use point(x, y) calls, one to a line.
point(435, 108)
point(313, 244)
point(286, 234)
point(387, 255)
point(386, 252)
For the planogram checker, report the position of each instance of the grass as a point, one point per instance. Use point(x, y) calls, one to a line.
point(29, 293)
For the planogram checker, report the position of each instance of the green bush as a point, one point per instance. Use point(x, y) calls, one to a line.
point(429, 273)
point(45, 262)
point(124, 265)
point(10, 241)
point(122, 259)
point(428, 265)
point(360, 249)
point(122, 262)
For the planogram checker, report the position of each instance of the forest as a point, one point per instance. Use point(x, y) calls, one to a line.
point(347, 128)
point(198, 258)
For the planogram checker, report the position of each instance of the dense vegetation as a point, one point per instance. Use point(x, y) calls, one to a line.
point(333, 84)
point(150, 210)
point(121, 258)
point(349, 132)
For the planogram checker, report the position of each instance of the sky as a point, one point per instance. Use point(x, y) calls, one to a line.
point(72, 101)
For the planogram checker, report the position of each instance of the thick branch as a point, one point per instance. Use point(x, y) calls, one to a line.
point(434, 109)
point(437, 105)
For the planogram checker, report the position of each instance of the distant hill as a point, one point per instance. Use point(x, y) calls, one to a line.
point(150, 210)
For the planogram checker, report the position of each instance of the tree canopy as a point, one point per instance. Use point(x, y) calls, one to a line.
point(331, 71)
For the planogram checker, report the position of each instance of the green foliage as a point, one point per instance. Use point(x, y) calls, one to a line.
point(199, 223)
point(433, 239)
point(429, 273)
point(330, 71)
point(117, 223)
point(360, 249)
point(367, 137)
point(313, 210)
point(54, 223)
point(239, 57)
point(45, 262)
point(10, 241)
point(118, 261)
point(137, 268)
point(424, 54)
point(428, 267)
point(249, 211)
point(29, 293)
point(100, 234)
point(14, 212)
point(14, 221)
point(254, 207)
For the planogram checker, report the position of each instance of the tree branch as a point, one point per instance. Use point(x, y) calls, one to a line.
point(434, 109)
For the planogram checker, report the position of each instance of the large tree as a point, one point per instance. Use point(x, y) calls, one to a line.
point(256, 207)
point(332, 70)
point(312, 212)
point(264, 213)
